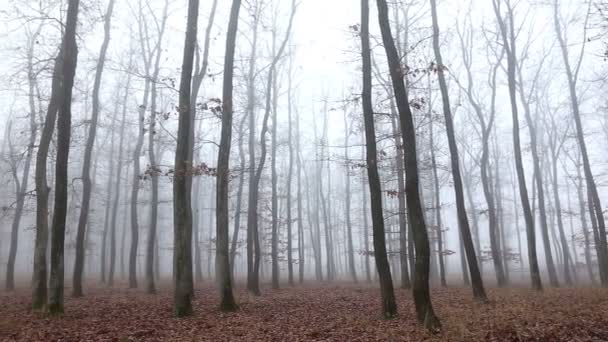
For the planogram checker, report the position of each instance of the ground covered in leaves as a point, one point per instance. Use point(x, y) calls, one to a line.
point(312, 313)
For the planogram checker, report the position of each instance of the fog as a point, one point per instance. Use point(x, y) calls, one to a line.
point(316, 218)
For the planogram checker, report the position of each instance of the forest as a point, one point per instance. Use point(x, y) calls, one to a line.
point(303, 170)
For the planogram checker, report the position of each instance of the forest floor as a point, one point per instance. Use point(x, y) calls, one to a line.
point(312, 313)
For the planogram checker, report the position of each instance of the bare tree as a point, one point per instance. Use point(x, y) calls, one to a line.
point(227, 302)
point(182, 210)
point(86, 177)
point(389, 306)
point(422, 298)
point(69, 58)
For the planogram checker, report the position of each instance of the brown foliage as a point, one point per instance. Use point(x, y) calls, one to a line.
point(322, 313)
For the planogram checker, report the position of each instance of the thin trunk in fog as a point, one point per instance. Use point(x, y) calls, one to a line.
point(154, 172)
point(88, 152)
point(466, 41)
point(222, 258)
point(274, 177)
point(555, 146)
point(347, 211)
point(69, 58)
point(201, 65)
point(289, 172)
point(508, 38)
point(538, 172)
point(595, 204)
point(253, 273)
point(239, 194)
point(301, 255)
point(118, 180)
point(463, 221)
point(389, 306)
point(252, 210)
point(21, 185)
point(437, 192)
point(108, 200)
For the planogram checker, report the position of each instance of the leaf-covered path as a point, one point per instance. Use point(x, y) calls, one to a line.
point(315, 313)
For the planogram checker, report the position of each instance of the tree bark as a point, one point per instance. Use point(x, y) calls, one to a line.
point(88, 152)
point(227, 302)
point(182, 210)
point(389, 306)
point(69, 58)
point(509, 44)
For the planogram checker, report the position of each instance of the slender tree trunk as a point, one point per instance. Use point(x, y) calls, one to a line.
point(223, 274)
point(436, 193)
point(118, 182)
point(301, 255)
point(289, 175)
point(108, 206)
point(463, 221)
point(389, 306)
point(21, 186)
point(347, 210)
point(86, 177)
point(239, 196)
point(422, 298)
point(274, 245)
point(523, 191)
point(64, 122)
point(595, 203)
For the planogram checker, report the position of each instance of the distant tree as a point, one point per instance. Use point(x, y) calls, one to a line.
point(86, 164)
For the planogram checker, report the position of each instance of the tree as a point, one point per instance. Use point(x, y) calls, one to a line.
point(422, 298)
point(389, 306)
point(463, 221)
point(182, 211)
point(486, 123)
point(595, 205)
point(21, 185)
point(508, 38)
point(223, 271)
point(86, 177)
point(68, 59)
point(154, 172)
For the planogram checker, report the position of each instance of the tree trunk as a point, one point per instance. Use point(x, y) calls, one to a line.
point(182, 210)
point(422, 298)
point(523, 191)
point(227, 302)
point(21, 186)
point(347, 211)
point(595, 204)
point(88, 152)
point(463, 221)
point(64, 122)
point(389, 306)
point(118, 181)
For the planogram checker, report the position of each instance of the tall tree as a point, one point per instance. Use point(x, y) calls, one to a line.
point(153, 167)
point(508, 40)
point(389, 306)
point(463, 221)
point(69, 58)
point(88, 152)
point(572, 74)
point(21, 184)
point(347, 211)
point(182, 210)
point(422, 297)
point(227, 302)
